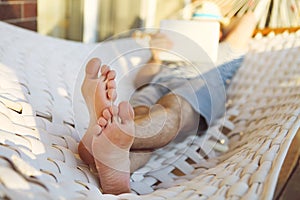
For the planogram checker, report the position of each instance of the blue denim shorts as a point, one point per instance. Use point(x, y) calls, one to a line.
point(206, 92)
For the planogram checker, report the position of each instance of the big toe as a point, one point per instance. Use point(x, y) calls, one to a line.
point(92, 68)
point(126, 112)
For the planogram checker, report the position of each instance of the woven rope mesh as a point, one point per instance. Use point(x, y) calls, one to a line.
point(38, 140)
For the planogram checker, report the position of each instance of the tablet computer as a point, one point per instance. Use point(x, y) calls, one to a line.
point(189, 37)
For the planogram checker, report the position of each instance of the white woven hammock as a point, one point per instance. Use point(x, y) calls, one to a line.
point(38, 141)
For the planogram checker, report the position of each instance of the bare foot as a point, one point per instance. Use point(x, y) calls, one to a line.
point(98, 93)
point(111, 148)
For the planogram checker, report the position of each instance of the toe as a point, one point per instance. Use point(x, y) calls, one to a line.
point(111, 75)
point(106, 114)
point(92, 68)
point(112, 94)
point(126, 112)
point(102, 122)
point(114, 110)
point(104, 70)
point(111, 84)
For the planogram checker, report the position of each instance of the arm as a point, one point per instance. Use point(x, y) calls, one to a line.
point(147, 72)
point(158, 42)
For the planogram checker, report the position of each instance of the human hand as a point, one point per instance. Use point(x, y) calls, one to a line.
point(159, 42)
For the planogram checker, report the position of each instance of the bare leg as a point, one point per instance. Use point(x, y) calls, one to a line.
point(157, 126)
point(172, 114)
point(111, 148)
point(99, 93)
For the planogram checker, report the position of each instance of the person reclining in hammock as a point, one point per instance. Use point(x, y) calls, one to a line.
point(120, 138)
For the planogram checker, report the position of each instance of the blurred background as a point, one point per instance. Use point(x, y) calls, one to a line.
point(95, 20)
point(86, 20)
